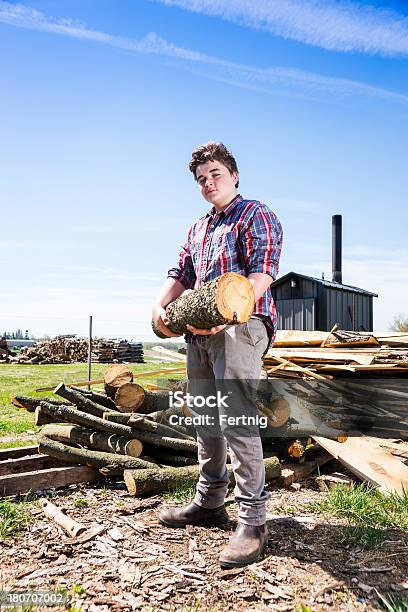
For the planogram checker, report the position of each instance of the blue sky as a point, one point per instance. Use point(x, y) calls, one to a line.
point(102, 102)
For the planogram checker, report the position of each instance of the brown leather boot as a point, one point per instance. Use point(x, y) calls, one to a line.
point(245, 546)
point(193, 515)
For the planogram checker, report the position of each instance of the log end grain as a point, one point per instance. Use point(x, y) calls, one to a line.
point(235, 297)
point(129, 397)
point(115, 376)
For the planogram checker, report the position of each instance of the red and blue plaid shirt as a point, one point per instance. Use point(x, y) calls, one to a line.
point(245, 237)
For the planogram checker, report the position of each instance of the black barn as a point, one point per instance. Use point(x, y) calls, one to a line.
point(307, 303)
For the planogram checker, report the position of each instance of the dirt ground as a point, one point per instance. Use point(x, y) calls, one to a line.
point(135, 563)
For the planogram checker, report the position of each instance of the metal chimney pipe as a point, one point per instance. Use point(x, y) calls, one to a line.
point(336, 248)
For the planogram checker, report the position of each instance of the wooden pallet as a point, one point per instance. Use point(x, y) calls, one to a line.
point(24, 469)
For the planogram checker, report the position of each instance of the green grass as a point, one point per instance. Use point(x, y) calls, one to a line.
point(393, 603)
point(25, 379)
point(368, 513)
point(25, 441)
point(13, 517)
point(80, 502)
point(180, 494)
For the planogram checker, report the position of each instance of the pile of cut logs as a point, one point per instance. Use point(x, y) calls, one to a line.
point(109, 351)
point(339, 353)
point(61, 349)
point(124, 430)
point(69, 349)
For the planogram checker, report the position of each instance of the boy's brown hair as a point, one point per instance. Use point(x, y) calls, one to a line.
point(213, 151)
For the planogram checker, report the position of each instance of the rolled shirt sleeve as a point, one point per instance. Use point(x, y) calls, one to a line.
point(184, 272)
point(261, 242)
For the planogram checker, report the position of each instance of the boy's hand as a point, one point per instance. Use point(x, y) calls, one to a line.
point(205, 332)
point(160, 320)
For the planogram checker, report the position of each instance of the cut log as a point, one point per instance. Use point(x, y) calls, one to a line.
point(82, 402)
point(277, 411)
point(140, 482)
point(144, 424)
point(41, 417)
point(31, 403)
point(115, 376)
point(117, 417)
point(129, 397)
point(94, 458)
point(98, 398)
point(46, 479)
point(188, 446)
point(69, 525)
point(98, 440)
point(168, 458)
point(226, 300)
point(71, 415)
point(154, 401)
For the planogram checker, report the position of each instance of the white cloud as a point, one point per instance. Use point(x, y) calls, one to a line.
point(331, 24)
point(273, 79)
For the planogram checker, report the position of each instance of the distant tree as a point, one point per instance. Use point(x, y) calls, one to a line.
point(400, 323)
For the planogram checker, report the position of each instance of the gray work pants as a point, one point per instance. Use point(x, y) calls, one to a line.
point(235, 354)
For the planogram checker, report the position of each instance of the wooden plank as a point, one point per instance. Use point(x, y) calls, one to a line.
point(17, 451)
point(168, 353)
point(325, 354)
point(285, 363)
point(366, 459)
point(84, 383)
point(28, 464)
point(289, 337)
point(46, 479)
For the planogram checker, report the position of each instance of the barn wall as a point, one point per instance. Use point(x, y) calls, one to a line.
point(352, 311)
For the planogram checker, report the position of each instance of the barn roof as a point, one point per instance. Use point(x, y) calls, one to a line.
point(321, 281)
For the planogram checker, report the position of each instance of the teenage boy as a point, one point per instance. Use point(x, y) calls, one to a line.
point(235, 235)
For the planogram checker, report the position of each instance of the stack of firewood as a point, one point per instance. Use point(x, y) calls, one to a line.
point(124, 430)
point(69, 349)
point(61, 349)
point(111, 351)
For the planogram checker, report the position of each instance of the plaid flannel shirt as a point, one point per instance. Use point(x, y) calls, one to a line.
point(245, 237)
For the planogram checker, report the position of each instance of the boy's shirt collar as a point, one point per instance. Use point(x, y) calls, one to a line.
point(227, 209)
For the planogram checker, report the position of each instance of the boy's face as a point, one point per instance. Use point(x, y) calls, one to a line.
point(216, 183)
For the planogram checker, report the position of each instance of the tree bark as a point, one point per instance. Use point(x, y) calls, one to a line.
point(139, 482)
point(144, 424)
point(115, 376)
point(41, 417)
point(167, 458)
point(117, 417)
point(188, 446)
point(94, 458)
point(98, 398)
point(82, 402)
point(154, 401)
point(225, 300)
point(71, 415)
point(31, 403)
point(98, 440)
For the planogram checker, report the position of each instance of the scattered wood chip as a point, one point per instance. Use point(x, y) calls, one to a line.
point(115, 534)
